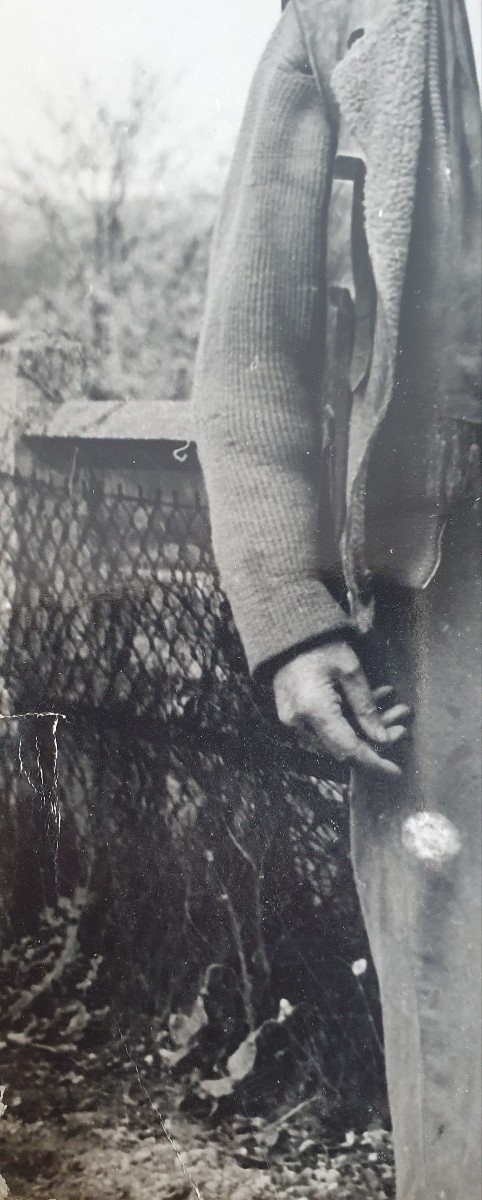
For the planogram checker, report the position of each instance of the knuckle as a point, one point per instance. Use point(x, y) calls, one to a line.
point(284, 709)
point(368, 712)
point(352, 668)
point(381, 736)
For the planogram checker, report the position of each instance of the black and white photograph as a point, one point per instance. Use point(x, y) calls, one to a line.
point(240, 600)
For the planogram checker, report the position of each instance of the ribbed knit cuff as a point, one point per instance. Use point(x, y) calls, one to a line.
point(296, 614)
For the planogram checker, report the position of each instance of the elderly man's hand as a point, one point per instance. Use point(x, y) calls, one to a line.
point(325, 690)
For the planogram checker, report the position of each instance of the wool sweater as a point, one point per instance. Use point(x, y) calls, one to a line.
point(260, 360)
point(260, 364)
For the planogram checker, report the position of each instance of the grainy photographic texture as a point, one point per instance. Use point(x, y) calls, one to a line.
point(240, 659)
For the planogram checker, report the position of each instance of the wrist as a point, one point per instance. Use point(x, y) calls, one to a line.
point(267, 670)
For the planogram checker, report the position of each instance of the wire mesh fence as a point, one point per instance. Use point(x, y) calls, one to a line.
point(192, 828)
point(115, 597)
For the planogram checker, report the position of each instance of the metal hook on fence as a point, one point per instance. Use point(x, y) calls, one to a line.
point(181, 452)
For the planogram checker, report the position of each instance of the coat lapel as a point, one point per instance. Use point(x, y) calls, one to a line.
point(370, 60)
point(370, 57)
point(379, 86)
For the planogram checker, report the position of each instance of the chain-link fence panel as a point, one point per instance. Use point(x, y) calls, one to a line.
point(192, 828)
point(116, 601)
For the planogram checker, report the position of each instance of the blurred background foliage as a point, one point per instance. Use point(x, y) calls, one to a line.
point(105, 248)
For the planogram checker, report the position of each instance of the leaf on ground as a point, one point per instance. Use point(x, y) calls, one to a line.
point(216, 1088)
point(242, 1061)
point(183, 1028)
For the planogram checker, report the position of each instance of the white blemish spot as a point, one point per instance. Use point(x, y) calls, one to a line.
point(432, 839)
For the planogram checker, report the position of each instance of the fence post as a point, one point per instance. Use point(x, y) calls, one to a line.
point(7, 467)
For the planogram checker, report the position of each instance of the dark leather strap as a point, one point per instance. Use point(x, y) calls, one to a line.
point(349, 339)
point(350, 167)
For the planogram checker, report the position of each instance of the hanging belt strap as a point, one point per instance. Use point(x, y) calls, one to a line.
point(349, 336)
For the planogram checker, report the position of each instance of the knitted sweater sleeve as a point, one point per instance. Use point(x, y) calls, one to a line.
point(259, 363)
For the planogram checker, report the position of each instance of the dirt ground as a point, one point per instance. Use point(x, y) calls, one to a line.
point(101, 1129)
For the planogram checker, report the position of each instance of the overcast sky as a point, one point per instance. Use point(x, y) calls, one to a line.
point(50, 46)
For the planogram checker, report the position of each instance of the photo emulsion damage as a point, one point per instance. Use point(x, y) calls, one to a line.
point(240, 586)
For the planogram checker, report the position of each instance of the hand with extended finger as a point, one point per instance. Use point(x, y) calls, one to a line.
point(325, 690)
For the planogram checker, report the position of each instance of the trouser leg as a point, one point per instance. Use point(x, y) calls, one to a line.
point(425, 928)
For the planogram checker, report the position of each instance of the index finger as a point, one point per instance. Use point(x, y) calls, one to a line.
point(340, 739)
point(357, 691)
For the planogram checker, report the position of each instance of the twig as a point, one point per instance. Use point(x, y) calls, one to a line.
point(293, 1112)
point(247, 982)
